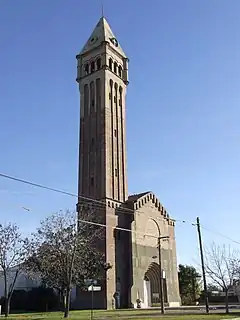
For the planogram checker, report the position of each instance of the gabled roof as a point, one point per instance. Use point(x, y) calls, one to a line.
point(137, 201)
point(102, 32)
point(135, 197)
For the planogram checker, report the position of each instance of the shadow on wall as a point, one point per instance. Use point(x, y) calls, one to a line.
point(123, 252)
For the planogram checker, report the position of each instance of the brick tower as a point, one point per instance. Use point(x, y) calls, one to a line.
point(103, 77)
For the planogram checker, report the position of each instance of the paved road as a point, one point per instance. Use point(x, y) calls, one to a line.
point(215, 308)
point(155, 312)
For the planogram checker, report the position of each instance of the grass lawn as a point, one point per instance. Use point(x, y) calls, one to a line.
point(124, 314)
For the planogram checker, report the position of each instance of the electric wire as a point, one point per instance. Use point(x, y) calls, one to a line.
point(101, 204)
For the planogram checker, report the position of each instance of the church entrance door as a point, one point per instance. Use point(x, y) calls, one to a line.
point(152, 293)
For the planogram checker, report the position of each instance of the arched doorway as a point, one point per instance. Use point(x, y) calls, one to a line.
point(152, 286)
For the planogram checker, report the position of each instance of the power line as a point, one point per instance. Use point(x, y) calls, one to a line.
point(212, 231)
point(117, 228)
point(220, 234)
point(99, 202)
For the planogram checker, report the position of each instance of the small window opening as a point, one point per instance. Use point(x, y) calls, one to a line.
point(98, 63)
point(115, 99)
point(92, 66)
point(110, 63)
point(93, 102)
point(120, 71)
point(115, 133)
point(92, 141)
point(115, 67)
point(116, 172)
point(110, 96)
point(92, 181)
point(86, 69)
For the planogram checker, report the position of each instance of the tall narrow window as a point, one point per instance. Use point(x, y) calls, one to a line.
point(116, 172)
point(86, 69)
point(115, 133)
point(115, 67)
point(98, 63)
point(92, 181)
point(92, 66)
point(110, 63)
point(120, 71)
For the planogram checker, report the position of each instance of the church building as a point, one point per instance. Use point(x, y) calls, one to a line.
point(135, 224)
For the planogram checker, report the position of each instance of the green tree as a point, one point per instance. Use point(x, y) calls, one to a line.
point(189, 284)
point(65, 254)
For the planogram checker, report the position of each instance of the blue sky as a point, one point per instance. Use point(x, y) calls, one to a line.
point(182, 107)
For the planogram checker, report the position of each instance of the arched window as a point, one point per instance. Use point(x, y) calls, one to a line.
point(110, 63)
point(86, 69)
point(92, 66)
point(115, 67)
point(120, 71)
point(98, 63)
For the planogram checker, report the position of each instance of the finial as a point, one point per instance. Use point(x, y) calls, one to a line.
point(102, 11)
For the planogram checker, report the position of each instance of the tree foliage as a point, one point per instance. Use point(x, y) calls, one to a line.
point(189, 284)
point(222, 267)
point(14, 250)
point(65, 253)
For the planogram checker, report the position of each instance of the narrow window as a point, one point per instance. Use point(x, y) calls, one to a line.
point(115, 132)
point(120, 71)
point(98, 63)
point(86, 69)
point(110, 63)
point(93, 102)
point(115, 99)
point(92, 66)
point(92, 141)
point(115, 67)
point(116, 172)
point(110, 96)
point(92, 182)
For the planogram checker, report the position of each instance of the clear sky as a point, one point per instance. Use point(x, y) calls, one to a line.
point(183, 110)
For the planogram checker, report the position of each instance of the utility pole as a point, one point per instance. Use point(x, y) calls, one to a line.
point(203, 267)
point(161, 291)
point(161, 297)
